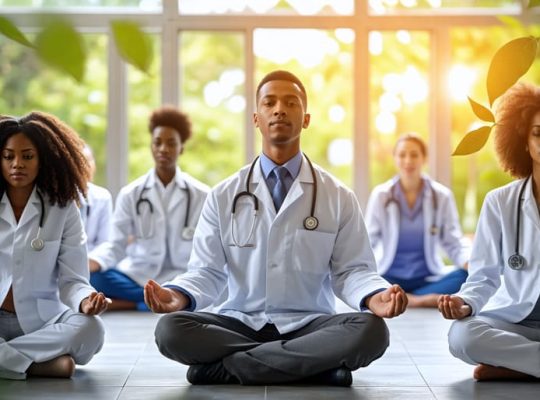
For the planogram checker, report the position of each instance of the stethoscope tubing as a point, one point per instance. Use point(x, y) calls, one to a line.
point(310, 223)
point(142, 200)
point(434, 202)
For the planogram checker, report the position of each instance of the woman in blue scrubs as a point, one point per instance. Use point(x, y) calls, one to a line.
point(408, 218)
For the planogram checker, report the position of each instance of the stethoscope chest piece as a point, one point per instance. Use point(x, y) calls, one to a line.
point(311, 223)
point(188, 232)
point(37, 244)
point(516, 261)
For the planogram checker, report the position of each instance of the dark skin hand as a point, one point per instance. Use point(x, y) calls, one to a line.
point(94, 304)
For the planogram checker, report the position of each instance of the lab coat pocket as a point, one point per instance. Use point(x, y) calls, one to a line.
point(181, 253)
point(312, 251)
point(42, 265)
point(47, 309)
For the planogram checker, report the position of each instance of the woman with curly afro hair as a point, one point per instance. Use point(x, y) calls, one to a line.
point(48, 308)
point(153, 221)
point(498, 307)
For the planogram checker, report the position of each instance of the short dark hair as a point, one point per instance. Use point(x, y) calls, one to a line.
point(282, 75)
point(413, 137)
point(514, 113)
point(171, 117)
point(63, 169)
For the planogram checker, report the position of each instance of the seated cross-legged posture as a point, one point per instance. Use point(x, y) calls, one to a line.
point(498, 307)
point(283, 236)
point(409, 218)
point(47, 306)
point(153, 221)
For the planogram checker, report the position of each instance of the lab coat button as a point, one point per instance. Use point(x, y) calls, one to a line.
point(273, 265)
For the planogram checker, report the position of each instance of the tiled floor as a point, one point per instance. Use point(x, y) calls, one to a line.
point(416, 366)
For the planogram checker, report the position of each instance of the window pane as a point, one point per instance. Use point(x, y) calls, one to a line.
point(326, 72)
point(294, 7)
point(431, 6)
point(399, 90)
point(213, 95)
point(475, 175)
point(144, 96)
point(146, 5)
point(26, 85)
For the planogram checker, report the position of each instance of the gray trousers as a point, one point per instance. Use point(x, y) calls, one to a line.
point(79, 335)
point(351, 340)
point(494, 342)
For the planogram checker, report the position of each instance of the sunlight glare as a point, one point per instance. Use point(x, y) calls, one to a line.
point(461, 80)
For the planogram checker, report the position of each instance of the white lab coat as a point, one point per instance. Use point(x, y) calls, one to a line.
point(289, 276)
point(49, 282)
point(143, 259)
point(493, 289)
point(96, 213)
point(383, 227)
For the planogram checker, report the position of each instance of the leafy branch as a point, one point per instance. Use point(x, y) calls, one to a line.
point(61, 46)
point(507, 66)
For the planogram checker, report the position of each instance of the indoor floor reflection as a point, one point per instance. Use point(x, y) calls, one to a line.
point(416, 366)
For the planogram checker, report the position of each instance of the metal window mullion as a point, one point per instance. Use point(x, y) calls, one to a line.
point(440, 118)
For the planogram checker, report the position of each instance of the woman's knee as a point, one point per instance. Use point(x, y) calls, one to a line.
point(464, 339)
point(88, 338)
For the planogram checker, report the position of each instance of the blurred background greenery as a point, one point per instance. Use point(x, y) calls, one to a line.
point(219, 59)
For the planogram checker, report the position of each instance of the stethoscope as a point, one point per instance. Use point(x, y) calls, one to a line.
point(37, 244)
point(434, 230)
point(516, 261)
point(310, 222)
point(187, 231)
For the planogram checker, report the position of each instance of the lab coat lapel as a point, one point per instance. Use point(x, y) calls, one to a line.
point(260, 189)
point(529, 208)
point(297, 190)
point(152, 194)
point(6, 212)
point(179, 197)
point(32, 209)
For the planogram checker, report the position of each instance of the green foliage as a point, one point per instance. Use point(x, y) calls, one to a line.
point(62, 47)
point(509, 64)
point(481, 112)
point(133, 45)
point(12, 32)
point(473, 141)
point(534, 3)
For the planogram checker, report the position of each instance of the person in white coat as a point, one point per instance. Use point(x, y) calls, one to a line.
point(283, 236)
point(47, 306)
point(409, 218)
point(96, 208)
point(153, 220)
point(498, 308)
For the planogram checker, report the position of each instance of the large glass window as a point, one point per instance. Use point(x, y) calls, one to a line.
point(143, 5)
point(441, 6)
point(213, 95)
point(298, 7)
point(26, 85)
point(144, 96)
point(326, 72)
point(399, 93)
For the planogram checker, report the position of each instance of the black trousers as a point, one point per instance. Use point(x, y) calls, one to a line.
point(351, 340)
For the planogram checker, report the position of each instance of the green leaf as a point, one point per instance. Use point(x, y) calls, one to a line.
point(12, 32)
point(133, 45)
point(481, 112)
point(61, 46)
point(473, 141)
point(534, 3)
point(509, 64)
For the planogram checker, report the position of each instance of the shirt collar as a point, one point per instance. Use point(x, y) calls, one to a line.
point(293, 165)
